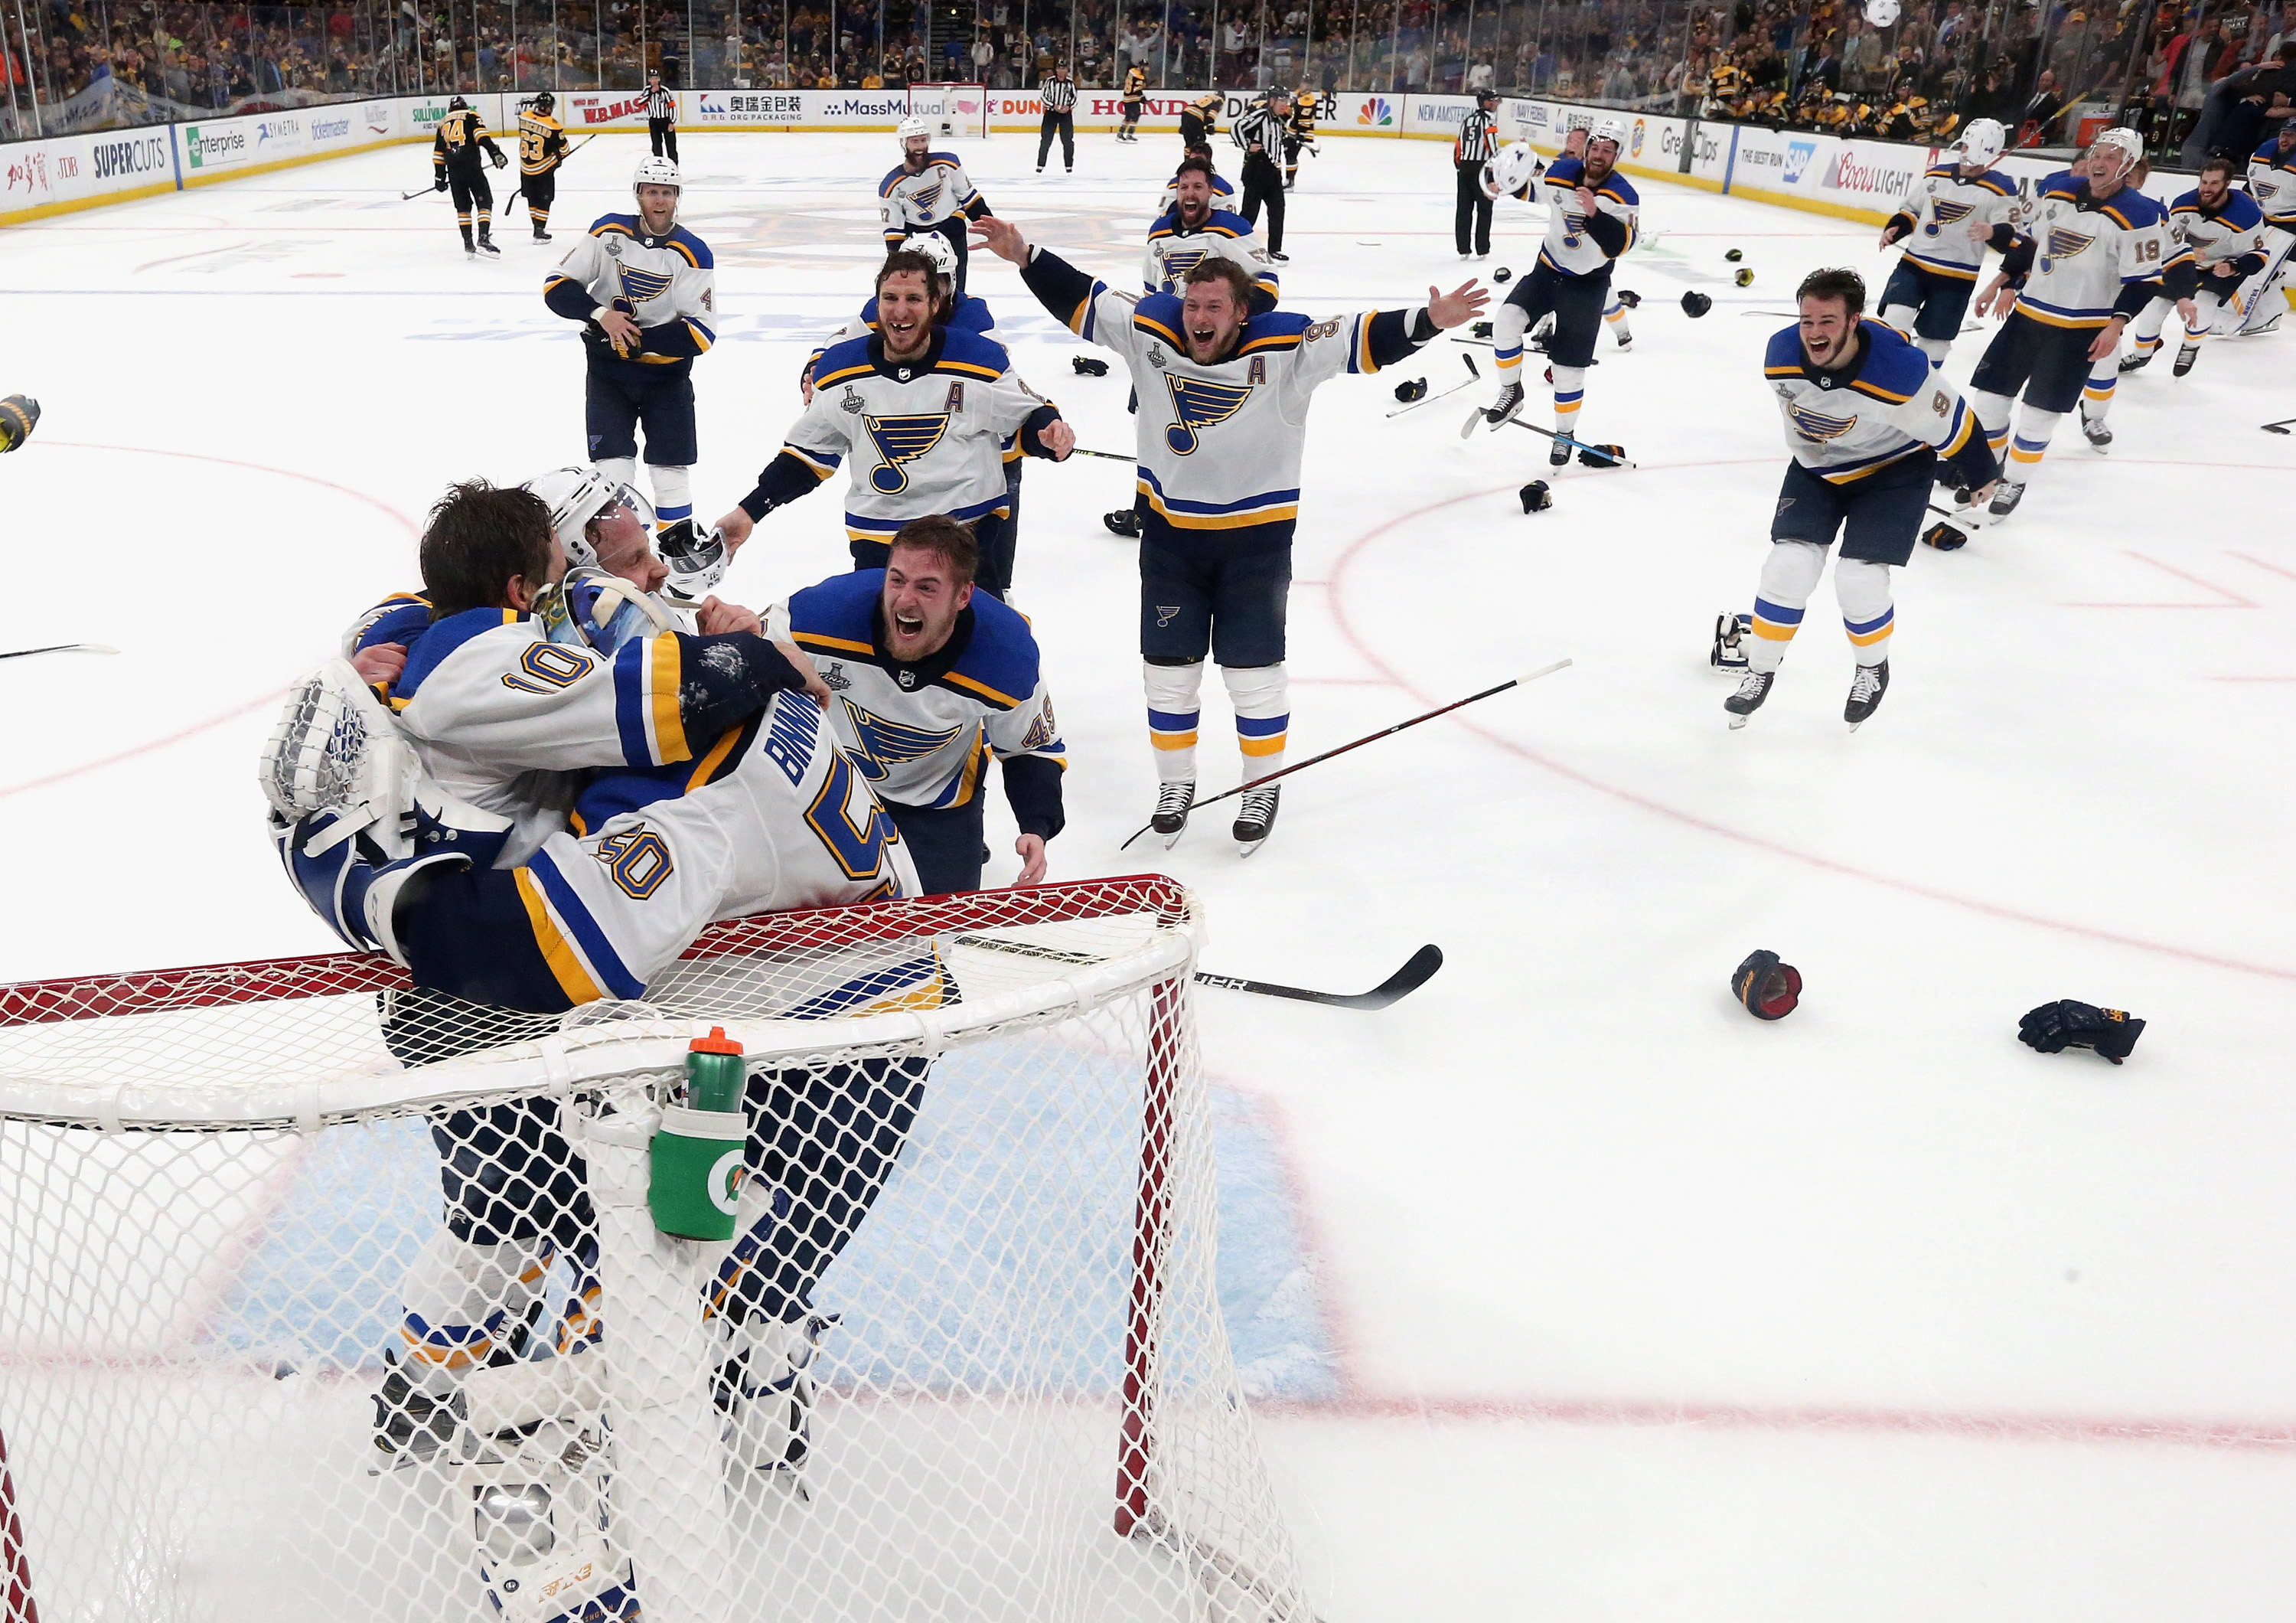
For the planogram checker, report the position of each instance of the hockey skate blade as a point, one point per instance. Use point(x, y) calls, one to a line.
point(1738, 722)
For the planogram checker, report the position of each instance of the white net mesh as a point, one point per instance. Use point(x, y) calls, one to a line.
point(322, 1298)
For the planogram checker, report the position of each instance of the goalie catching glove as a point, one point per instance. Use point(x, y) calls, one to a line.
point(2054, 1028)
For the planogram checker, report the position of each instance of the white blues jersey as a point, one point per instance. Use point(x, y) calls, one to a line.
point(1884, 405)
point(2234, 232)
point(1222, 187)
point(1939, 208)
point(1174, 251)
point(667, 284)
point(1220, 446)
point(504, 719)
point(926, 437)
point(771, 815)
point(924, 733)
point(1575, 245)
point(2082, 254)
point(939, 193)
point(2272, 182)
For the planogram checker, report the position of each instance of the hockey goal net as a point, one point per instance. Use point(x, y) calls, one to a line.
point(964, 1358)
point(955, 110)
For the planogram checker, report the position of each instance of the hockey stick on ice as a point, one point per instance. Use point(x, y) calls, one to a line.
point(1474, 378)
point(1593, 456)
point(61, 647)
point(1403, 982)
point(2281, 427)
point(1429, 715)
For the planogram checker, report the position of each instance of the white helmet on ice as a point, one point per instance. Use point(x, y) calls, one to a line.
point(578, 494)
point(657, 172)
point(939, 250)
point(2124, 141)
point(1509, 169)
point(914, 126)
point(1982, 140)
point(1614, 131)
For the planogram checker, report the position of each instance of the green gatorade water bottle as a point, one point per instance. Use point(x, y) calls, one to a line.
point(697, 1152)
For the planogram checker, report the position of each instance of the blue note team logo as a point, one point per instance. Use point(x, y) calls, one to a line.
point(1948, 213)
point(900, 440)
point(1816, 426)
point(640, 286)
point(1199, 402)
point(887, 743)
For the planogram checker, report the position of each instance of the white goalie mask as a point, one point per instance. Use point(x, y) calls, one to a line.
point(592, 609)
point(578, 494)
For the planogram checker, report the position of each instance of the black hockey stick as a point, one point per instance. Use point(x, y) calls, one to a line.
point(61, 647)
point(1474, 378)
point(1440, 709)
point(1403, 982)
point(1593, 456)
point(1078, 450)
point(2281, 427)
point(519, 188)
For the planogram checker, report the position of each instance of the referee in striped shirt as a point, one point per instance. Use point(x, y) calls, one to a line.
point(1258, 129)
point(662, 115)
point(1478, 145)
point(1058, 93)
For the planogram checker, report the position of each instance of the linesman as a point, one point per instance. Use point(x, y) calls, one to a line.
point(1259, 131)
point(1058, 93)
point(455, 161)
point(541, 148)
point(661, 115)
point(1478, 143)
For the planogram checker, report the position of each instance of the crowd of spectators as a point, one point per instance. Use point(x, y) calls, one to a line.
point(2183, 70)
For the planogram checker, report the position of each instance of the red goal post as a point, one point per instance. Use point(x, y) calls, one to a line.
point(211, 1178)
point(959, 110)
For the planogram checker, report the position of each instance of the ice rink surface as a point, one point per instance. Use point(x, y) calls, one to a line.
point(1637, 1308)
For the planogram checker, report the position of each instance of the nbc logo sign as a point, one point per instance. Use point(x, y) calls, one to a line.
point(1377, 112)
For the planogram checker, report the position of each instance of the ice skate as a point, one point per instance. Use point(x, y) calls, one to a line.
point(2136, 362)
point(2186, 355)
point(1255, 819)
point(1558, 453)
point(486, 246)
point(1753, 688)
point(2095, 430)
point(1172, 802)
point(1865, 691)
point(2005, 498)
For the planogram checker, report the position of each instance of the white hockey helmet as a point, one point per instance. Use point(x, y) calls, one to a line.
point(577, 495)
point(1614, 131)
point(1982, 140)
point(592, 609)
point(937, 248)
point(2122, 140)
point(914, 126)
point(657, 172)
point(1509, 169)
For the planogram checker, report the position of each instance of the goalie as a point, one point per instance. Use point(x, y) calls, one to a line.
point(508, 699)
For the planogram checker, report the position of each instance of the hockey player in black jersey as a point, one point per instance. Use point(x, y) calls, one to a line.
point(459, 152)
point(541, 148)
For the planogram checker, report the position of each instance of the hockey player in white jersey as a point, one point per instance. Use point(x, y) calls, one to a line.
point(1591, 219)
point(643, 288)
point(1224, 398)
point(927, 191)
point(2271, 182)
point(1868, 423)
point(1192, 227)
point(2092, 253)
point(2225, 230)
point(1950, 215)
point(934, 681)
point(923, 413)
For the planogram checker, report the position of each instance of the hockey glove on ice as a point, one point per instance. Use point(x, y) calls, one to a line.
point(2054, 1028)
point(1767, 987)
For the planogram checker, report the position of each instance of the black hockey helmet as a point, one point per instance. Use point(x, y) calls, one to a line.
point(544, 103)
point(1486, 94)
point(458, 105)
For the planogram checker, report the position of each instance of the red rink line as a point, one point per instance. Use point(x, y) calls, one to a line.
point(260, 701)
point(2270, 1436)
point(1338, 598)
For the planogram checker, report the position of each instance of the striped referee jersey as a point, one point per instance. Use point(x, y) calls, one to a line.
point(1478, 141)
point(1258, 126)
point(660, 105)
point(1057, 92)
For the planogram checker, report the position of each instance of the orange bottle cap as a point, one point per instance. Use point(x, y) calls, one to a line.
point(715, 1042)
